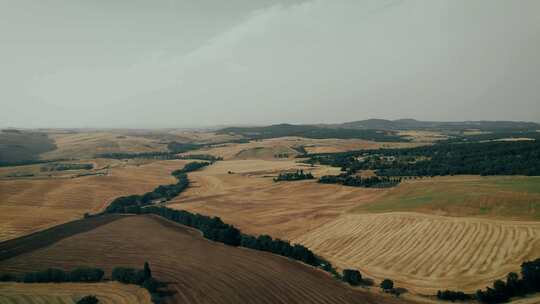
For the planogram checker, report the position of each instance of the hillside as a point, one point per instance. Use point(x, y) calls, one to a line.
point(197, 270)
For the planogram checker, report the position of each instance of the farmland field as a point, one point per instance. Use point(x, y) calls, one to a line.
point(199, 271)
point(250, 199)
point(69, 293)
point(30, 205)
point(503, 197)
point(425, 252)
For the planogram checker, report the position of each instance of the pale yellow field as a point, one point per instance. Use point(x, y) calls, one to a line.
point(66, 293)
point(425, 252)
point(29, 205)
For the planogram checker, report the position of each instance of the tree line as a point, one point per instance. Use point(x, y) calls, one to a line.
point(502, 291)
point(486, 158)
point(132, 203)
point(142, 277)
point(293, 176)
point(358, 181)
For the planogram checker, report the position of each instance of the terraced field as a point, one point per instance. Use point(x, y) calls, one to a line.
point(424, 252)
point(67, 293)
point(30, 205)
point(198, 271)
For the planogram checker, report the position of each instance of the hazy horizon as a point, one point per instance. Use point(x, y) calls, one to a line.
point(175, 64)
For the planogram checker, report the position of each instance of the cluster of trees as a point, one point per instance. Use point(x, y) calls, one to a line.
point(176, 147)
point(212, 228)
point(133, 203)
point(487, 158)
point(281, 247)
point(293, 176)
point(53, 275)
point(208, 157)
point(142, 277)
point(64, 167)
point(451, 295)
point(503, 291)
point(357, 181)
point(148, 155)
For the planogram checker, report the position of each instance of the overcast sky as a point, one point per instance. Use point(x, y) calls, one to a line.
point(177, 63)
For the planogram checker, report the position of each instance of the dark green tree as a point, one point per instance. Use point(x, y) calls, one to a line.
point(147, 271)
point(352, 277)
point(387, 284)
point(88, 300)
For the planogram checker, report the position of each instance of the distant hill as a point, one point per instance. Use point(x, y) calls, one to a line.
point(311, 131)
point(412, 124)
point(22, 146)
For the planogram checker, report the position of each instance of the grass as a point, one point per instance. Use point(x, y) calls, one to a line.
point(507, 197)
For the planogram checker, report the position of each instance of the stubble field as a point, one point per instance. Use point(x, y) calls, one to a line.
point(69, 293)
point(198, 271)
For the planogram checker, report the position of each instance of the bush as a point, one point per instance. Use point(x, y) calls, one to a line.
point(387, 284)
point(128, 275)
point(86, 274)
point(351, 276)
point(88, 300)
point(450, 295)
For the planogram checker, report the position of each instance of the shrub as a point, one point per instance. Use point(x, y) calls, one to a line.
point(88, 300)
point(351, 276)
point(387, 284)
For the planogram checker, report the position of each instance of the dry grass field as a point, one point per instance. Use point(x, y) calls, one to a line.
point(251, 200)
point(198, 271)
point(29, 205)
point(425, 252)
point(69, 293)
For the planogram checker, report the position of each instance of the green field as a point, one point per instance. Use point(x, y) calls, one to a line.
point(505, 197)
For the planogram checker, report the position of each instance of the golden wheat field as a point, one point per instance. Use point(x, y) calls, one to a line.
point(68, 293)
point(30, 205)
point(426, 252)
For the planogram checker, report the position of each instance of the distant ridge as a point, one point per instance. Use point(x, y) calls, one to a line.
point(413, 124)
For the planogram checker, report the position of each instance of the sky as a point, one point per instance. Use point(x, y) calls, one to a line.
point(194, 63)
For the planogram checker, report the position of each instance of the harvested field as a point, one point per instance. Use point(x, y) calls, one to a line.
point(250, 199)
point(30, 205)
point(501, 197)
point(425, 253)
point(67, 293)
point(198, 271)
